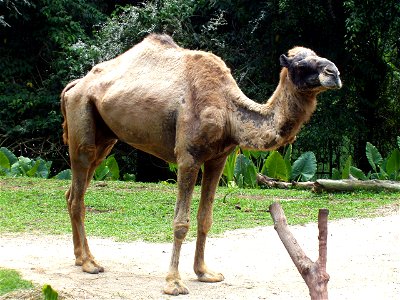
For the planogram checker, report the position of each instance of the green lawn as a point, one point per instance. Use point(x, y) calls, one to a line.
point(131, 211)
point(11, 280)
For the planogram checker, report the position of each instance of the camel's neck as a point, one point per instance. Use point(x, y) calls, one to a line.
point(275, 123)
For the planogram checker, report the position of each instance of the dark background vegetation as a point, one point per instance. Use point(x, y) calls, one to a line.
point(44, 44)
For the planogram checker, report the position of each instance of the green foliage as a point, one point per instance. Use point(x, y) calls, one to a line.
point(11, 280)
point(10, 156)
point(245, 172)
point(129, 177)
point(242, 167)
point(346, 168)
point(288, 159)
point(357, 173)
point(229, 169)
point(13, 166)
point(64, 175)
point(22, 166)
point(275, 167)
point(382, 168)
point(393, 164)
point(49, 293)
point(4, 162)
point(374, 157)
point(305, 167)
point(107, 170)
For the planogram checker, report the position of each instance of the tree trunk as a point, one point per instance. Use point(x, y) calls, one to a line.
point(329, 185)
point(313, 273)
point(351, 185)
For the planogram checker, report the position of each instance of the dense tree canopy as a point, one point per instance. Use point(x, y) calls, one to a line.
point(45, 44)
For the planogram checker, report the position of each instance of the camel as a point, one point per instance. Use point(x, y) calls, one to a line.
point(182, 106)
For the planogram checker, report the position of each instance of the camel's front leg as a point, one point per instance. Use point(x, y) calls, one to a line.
point(187, 175)
point(211, 176)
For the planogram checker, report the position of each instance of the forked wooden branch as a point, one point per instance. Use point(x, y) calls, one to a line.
point(313, 273)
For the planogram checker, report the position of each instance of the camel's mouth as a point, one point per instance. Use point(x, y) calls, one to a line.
point(329, 77)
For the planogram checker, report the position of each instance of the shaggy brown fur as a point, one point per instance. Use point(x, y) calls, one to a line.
point(183, 106)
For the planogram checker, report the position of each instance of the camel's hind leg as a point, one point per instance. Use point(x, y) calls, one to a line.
point(88, 148)
point(211, 176)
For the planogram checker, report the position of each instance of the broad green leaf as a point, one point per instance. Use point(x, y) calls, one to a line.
point(246, 153)
point(245, 172)
point(288, 153)
point(240, 181)
point(64, 175)
point(22, 166)
point(32, 171)
point(275, 166)
point(336, 174)
point(49, 293)
point(43, 170)
point(229, 169)
point(4, 162)
point(101, 171)
point(11, 157)
point(113, 167)
point(393, 163)
point(346, 168)
point(357, 173)
point(288, 161)
point(373, 155)
point(305, 167)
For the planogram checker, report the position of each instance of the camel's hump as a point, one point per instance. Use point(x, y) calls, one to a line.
point(162, 39)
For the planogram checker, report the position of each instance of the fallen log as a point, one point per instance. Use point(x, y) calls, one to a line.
point(273, 183)
point(329, 185)
point(347, 185)
point(313, 273)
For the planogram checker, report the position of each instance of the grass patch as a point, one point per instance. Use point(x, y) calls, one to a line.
point(11, 280)
point(130, 211)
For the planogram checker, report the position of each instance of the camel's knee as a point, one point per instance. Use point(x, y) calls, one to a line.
point(76, 208)
point(180, 230)
point(84, 155)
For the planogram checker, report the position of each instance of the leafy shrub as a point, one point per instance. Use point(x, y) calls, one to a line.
point(107, 170)
point(245, 172)
point(382, 168)
point(10, 165)
point(13, 166)
point(242, 166)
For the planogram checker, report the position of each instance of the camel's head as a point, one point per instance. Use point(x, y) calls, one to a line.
point(309, 72)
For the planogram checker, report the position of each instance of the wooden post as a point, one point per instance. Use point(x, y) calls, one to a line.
point(313, 273)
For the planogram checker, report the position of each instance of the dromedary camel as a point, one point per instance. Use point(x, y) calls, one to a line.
point(182, 106)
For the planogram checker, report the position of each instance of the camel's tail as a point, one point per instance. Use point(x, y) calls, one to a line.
point(63, 110)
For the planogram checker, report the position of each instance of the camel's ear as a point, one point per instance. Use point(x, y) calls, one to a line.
point(285, 61)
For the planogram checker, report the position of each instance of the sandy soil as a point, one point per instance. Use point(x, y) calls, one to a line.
point(363, 263)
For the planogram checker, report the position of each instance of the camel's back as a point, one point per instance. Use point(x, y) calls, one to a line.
point(143, 93)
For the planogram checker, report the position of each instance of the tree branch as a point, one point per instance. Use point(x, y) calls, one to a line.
point(313, 273)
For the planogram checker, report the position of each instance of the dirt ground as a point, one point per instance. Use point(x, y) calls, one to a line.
point(363, 263)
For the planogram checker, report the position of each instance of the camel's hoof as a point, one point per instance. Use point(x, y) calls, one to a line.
point(210, 276)
point(92, 267)
point(176, 287)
